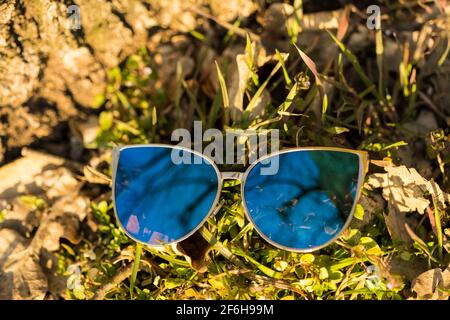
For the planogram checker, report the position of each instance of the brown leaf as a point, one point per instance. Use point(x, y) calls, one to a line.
point(276, 18)
point(57, 182)
point(195, 250)
point(395, 222)
point(15, 183)
point(343, 23)
point(372, 204)
point(407, 269)
point(62, 221)
point(231, 10)
point(18, 216)
point(310, 64)
point(431, 284)
point(21, 276)
point(11, 242)
point(237, 86)
point(28, 268)
point(406, 189)
point(57, 284)
point(238, 75)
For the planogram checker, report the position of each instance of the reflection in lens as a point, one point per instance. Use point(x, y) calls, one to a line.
point(308, 201)
point(158, 201)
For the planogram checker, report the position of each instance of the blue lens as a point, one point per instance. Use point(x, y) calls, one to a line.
point(159, 201)
point(308, 201)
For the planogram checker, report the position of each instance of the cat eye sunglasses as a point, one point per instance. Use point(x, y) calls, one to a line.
point(298, 199)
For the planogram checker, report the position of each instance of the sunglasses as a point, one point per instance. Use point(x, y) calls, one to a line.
point(302, 206)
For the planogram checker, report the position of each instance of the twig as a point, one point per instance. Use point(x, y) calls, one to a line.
point(238, 31)
point(279, 284)
point(123, 274)
point(433, 107)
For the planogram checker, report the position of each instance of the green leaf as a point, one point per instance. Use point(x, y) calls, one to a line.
point(353, 237)
point(252, 104)
point(68, 249)
point(78, 292)
point(106, 120)
point(280, 265)
point(370, 246)
point(359, 212)
point(173, 283)
point(137, 261)
point(223, 88)
point(289, 99)
point(307, 259)
point(154, 116)
point(99, 100)
point(324, 105)
point(337, 130)
point(103, 207)
point(280, 59)
point(323, 273)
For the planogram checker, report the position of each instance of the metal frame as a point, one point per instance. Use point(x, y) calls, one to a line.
point(242, 177)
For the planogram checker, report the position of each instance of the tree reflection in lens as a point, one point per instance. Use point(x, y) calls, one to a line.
point(308, 201)
point(158, 201)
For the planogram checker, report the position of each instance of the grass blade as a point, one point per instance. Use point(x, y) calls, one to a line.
point(137, 261)
point(310, 64)
point(283, 66)
point(355, 63)
point(252, 104)
point(223, 89)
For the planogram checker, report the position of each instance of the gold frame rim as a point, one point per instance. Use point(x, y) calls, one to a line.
point(363, 157)
point(115, 162)
point(363, 166)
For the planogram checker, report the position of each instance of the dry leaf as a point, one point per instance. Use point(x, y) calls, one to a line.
point(57, 284)
point(174, 14)
point(323, 20)
point(94, 176)
point(372, 204)
point(431, 284)
point(21, 276)
point(19, 217)
point(276, 18)
point(238, 75)
point(27, 267)
point(310, 64)
point(11, 242)
point(57, 182)
point(231, 10)
point(407, 269)
point(343, 24)
point(195, 250)
point(406, 189)
point(395, 222)
point(237, 86)
point(15, 183)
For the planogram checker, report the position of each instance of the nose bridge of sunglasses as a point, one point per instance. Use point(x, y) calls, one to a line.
point(232, 175)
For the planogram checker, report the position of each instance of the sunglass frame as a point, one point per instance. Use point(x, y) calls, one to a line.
point(242, 177)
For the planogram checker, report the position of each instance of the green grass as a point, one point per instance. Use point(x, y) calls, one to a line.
point(241, 264)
